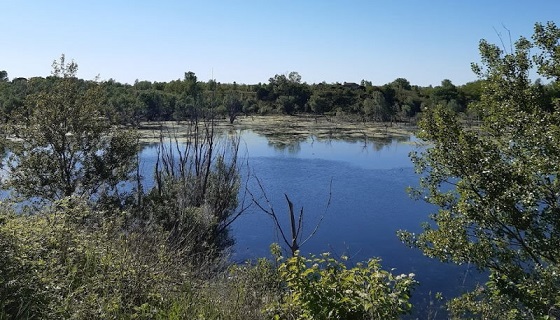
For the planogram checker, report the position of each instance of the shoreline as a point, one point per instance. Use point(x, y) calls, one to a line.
point(285, 129)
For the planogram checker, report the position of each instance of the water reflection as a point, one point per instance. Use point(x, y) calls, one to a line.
point(292, 147)
point(369, 204)
point(293, 144)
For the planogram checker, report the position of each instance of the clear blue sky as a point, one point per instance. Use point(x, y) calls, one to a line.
point(251, 41)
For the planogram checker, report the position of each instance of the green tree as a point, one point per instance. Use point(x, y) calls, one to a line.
point(233, 105)
point(471, 90)
point(498, 187)
point(447, 94)
point(320, 102)
point(191, 84)
point(376, 107)
point(156, 105)
point(290, 94)
point(66, 146)
point(401, 84)
point(4, 76)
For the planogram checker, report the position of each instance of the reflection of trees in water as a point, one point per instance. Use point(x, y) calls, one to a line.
point(285, 140)
point(292, 146)
point(292, 143)
point(289, 139)
point(379, 143)
point(376, 143)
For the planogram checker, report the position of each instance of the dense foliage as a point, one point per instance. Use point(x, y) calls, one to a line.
point(129, 104)
point(325, 288)
point(497, 186)
point(64, 144)
point(71, 262)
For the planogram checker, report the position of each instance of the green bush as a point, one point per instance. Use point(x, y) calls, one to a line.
point(324, 288)
point(70, 262)
point(489, 302)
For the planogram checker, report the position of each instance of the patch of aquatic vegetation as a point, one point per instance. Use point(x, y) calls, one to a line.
point(288, 130)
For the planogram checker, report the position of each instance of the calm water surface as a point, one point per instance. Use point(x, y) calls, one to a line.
point(368, 204)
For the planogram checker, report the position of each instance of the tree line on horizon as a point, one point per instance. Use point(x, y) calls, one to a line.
point(178, 100)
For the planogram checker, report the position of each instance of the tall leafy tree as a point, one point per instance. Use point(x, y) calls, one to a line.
point(233, 105)
point(497, 187)
point(191, 84)
point(320, 102)
point(66, 146)
point(289, 93)
point(376, 107)
point(447, 93)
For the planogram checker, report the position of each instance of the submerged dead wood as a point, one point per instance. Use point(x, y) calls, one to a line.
point(295, 239)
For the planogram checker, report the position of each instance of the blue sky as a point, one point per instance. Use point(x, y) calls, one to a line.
point(251, 41)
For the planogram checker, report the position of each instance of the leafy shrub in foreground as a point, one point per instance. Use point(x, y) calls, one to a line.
point(69, 262)
point(324, 288)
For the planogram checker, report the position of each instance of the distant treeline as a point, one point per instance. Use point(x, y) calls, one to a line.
point(283, 94)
